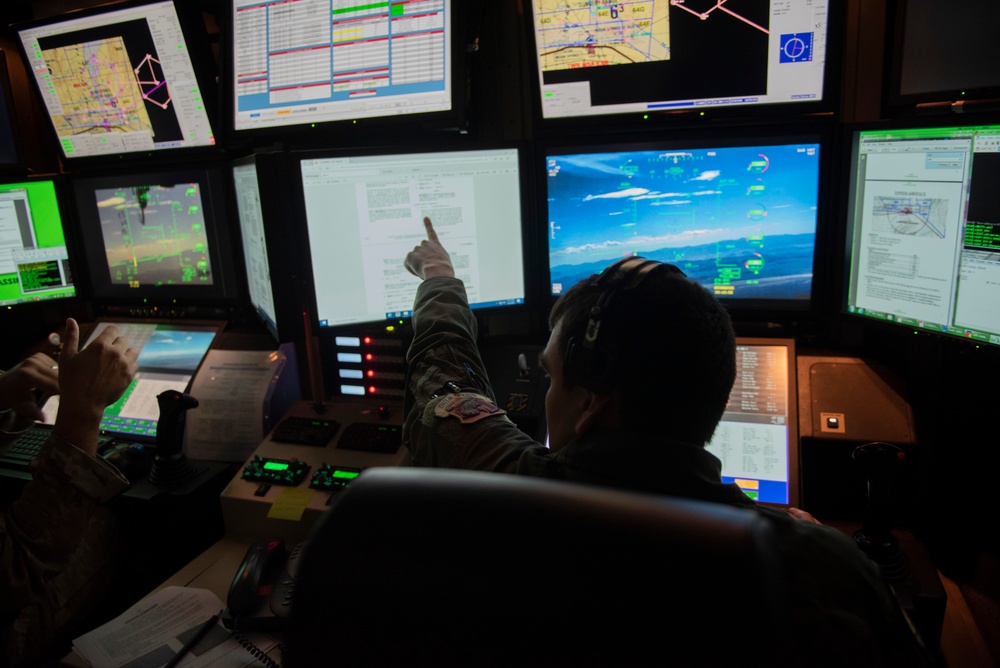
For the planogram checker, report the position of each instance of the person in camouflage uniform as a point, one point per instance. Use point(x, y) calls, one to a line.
point(57, 539)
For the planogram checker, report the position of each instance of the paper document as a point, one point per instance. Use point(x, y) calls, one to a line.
point(232, 389)
point(153, 631)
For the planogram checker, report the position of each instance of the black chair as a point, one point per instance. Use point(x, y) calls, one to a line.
point(446, 568)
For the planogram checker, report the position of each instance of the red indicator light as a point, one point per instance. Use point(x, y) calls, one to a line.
point(368, 340)
point(371, 373)
point(369, 357)
point(371, 389)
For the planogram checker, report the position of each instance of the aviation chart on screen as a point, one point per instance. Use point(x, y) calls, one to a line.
point(599, 57)
point(739, 220)
point(926, 251)
point(155, 235)
point(312, 61)
point(594, 34)
point(364, 215)
point(119, 81)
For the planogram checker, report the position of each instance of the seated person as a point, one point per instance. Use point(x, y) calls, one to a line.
point(56, 540)
point(641, 362)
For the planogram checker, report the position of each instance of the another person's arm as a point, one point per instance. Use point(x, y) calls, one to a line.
point(444, 362)
point(41, 531)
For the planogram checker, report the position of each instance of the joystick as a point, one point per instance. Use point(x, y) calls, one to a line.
point(170, 467)
point(880, 462)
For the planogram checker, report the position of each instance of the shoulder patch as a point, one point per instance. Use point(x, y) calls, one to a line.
point(467, 407)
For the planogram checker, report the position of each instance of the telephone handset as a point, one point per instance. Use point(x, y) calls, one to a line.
point(261, 593)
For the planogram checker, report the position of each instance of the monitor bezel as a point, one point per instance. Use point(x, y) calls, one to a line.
point(304, 259)
point(747, 313)
point(845, 227)
point(175, 300)
point(367, 129)
point(652, 120)
point(197, 44)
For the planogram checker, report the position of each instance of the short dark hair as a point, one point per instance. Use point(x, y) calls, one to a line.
point(672, 350)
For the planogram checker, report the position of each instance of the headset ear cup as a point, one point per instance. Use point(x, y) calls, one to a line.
point(586, 366)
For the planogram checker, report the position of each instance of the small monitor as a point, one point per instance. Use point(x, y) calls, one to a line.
point(649, 56)
point(34, 261)
point(169, 355)
point(157, 237)
point(306, 63)
point(757, 439)
point(119, 79)
point(923, 229)
point(737, 216)
point(255, 251)
point(364, 213)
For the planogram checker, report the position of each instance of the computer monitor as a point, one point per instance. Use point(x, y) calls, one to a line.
point(923, 228)
point(157, 238)
point(757, 440)
point(255, 248)
point(170, 354)
point(364, 214)
point(739, 216)
point(34, 260)
point(121, 78)
point(964, 76)
point(650, 56)
point(311, 63)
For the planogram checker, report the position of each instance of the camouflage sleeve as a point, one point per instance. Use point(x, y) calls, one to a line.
point(446, 380)
point(41, 533)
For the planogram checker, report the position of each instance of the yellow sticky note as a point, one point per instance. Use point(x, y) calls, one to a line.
point(290, 504)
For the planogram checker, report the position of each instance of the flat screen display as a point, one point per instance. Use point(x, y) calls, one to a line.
point(34, 261)
point(923, 229)
point(118, 80)
point(365, 213)
point(315, 61)
point(169, 355)
point(595, 58)
point(251, 217)
point(156, 235)
point(757, 439)
point(739, 218)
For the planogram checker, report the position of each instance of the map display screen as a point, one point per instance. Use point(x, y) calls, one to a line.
point(117, 82)
point(596, 57)
point(738, 218)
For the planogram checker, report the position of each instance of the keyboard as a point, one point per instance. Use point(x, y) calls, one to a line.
point(24, 448)
point(18, 454)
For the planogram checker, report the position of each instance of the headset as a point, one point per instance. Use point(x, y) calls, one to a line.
point(587, 363)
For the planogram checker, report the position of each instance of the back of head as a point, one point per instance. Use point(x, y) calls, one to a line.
point(665, 344)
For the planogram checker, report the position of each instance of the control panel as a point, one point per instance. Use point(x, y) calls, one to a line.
point(306, 461)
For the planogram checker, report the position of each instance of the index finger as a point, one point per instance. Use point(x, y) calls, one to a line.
point(431, 234)
point(72, 340)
